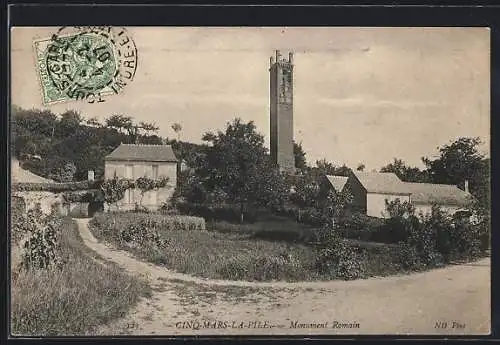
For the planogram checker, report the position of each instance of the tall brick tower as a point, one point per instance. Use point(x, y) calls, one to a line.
point(281, 104)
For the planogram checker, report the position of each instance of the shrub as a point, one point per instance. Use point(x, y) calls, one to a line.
point(114, 222)
point(75, 298)
point(336, 259)
point(94, 195)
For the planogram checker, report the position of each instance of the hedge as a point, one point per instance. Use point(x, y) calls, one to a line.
point(54, 186)
point(92, 195)
point(118, 221)
point(229, 213)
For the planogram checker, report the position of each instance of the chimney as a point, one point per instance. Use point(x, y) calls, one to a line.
point(278, 55)
point(90, 176)
point(466, 186)
point(290, 58)
point(271, 61)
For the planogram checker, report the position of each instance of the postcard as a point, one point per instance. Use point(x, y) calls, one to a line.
point(200, 181)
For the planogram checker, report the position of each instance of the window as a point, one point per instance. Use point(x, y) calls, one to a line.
point(155, 171)
point(129, 171)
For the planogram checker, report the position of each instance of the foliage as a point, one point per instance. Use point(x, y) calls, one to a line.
point(45, 142)
point(56, 301)
point(300, 156)
point(210, 212)
point(114, 189)
point(406, 173)
point(460, 161)
point(41, 246)
point(237, 166)
point(326, 168)
point(436, 238)
point(92, 195)
point(53, 187)
point(146, 184)
point(336, 258)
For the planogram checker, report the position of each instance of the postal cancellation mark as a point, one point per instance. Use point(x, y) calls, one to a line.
point(85, 63)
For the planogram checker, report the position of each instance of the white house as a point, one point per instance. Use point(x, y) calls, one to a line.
point(132, 161)
point(370, 191)
point(450, 198)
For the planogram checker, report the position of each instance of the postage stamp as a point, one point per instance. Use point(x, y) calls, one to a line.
point(85, 63)
point(261, 181)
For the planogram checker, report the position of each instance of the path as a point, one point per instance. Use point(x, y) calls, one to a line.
point(413, 304)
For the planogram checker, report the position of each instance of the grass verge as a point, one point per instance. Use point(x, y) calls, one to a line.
point(75, 299)
point(231, 254)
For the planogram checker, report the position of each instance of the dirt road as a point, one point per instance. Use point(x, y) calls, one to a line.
point(453, 300)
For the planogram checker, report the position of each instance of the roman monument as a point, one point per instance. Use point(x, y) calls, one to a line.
point(281, 106)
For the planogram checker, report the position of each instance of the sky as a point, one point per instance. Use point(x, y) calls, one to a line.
point(361, 95)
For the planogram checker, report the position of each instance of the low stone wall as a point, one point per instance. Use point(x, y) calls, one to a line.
point(47, 200)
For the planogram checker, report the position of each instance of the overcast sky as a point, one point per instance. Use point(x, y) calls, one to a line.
point(361, 94)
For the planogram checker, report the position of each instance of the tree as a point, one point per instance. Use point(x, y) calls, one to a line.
point(237, 163)
point(300, 156)
point(124, 124)
point(360, 167)
point(177, 127)
point(325, 167)
point(69, 123)
point(460, 161)
point(404, 172)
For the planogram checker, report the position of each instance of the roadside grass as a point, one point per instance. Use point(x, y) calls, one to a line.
point(234, 251)
point(74, 299)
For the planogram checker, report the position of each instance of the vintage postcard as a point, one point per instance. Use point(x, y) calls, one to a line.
point(202, 181)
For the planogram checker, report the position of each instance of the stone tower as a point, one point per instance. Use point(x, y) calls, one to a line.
point(281, 105)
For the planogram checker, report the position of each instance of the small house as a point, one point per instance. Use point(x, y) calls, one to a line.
point(450, 198)
point(370, 191)
point(131, 161)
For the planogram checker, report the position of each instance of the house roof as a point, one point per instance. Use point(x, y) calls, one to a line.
point(441, 194)
point(383, 183)
point(20, 175)
point(139, 152)
point(337, 182)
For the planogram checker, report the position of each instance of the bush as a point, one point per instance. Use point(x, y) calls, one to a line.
point(94, 195)
point(115, 222)
point(75, 298)
point(336, 259)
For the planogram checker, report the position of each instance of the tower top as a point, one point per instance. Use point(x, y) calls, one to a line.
point(280, 59)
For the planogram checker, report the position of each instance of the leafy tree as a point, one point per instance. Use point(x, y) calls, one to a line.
point(177, 129)
point(300, 156)
point(460, 161)
point(360, 167)
point(404, 172)
point(237, 163)
point(69, 123)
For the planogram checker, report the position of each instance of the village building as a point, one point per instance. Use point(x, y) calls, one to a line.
point(337, 183)
point(371, 190)
point(131, 161)
point(450, 198)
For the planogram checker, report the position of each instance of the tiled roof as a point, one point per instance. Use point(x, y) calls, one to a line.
point(383, 183)
point(337, 182)
point(139, 152)
point(441, 194)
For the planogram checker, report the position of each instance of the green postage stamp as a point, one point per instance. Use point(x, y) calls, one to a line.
point(85, 63)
